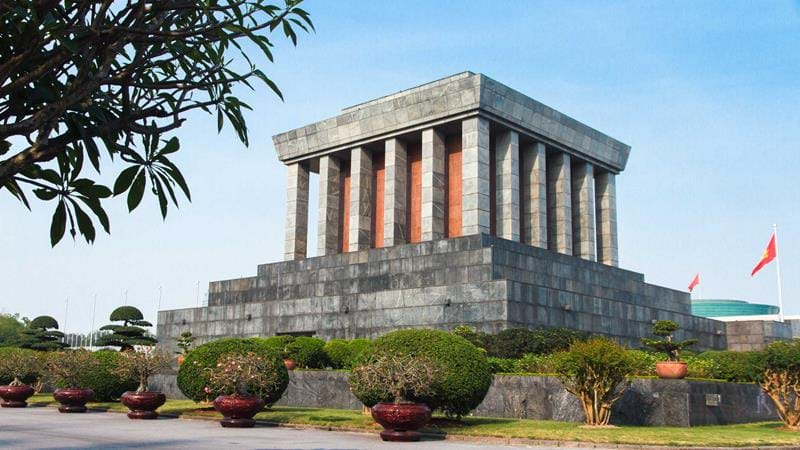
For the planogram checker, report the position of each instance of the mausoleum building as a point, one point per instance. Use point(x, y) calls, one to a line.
point(460, 201)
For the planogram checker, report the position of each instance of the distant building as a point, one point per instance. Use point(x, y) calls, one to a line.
point(750, 326)
point(718, 308)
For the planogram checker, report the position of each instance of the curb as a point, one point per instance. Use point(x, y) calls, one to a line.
point(460, 438)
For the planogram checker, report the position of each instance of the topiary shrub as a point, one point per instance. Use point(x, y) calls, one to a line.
point(517, 342)
point(344, 354)
point(665, 329)
point(307, 352)
point(102, 378)
point(42, 334)
point(22, 363)
point(465, 377)
point(130, 333)
point(278, 344)
point(193, 374)
point(501, 365)
point(595, 371)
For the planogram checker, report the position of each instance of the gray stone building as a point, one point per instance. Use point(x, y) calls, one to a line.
point(460, 201)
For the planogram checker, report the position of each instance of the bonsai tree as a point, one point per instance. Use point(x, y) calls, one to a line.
point(141, 366)
point(185, 342)
point(781, 380)
point(66, 369)
point(665, 330)
point(20, 365)
point(131, 332)
point(399, 378)
point(246, 374)
point(595, 371)
point(41, 334)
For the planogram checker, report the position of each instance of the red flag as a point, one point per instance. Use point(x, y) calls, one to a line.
point(695, 282)
point(769, 254)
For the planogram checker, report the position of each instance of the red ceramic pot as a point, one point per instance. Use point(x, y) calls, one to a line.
point(143, 405)
point(238, 410)
point(73, 400)
point(15, 396)
point(290, 364)
point(671, 370)
point(401, 420)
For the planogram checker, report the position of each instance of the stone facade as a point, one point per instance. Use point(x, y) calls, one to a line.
point(748, 335)
point(482, 281)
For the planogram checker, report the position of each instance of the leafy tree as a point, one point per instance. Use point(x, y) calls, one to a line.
point(130, 333)
point(84, 78)
point(672, 348)
point(781, 380)
point(41, 334)
point(11, 328)
point(185, 342)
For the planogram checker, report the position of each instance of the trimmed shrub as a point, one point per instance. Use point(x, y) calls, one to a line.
point(465, 376)
point(308, 352)
point(745, 367)
point(501, 365)
point(278, 344)
point(35, 371)
point(530, 363)
point(193, 376)
point(517, 342)
point(595, 371)
point(344, 354)
point(103, 380)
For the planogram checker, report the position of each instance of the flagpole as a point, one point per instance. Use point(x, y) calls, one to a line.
point(778, 272)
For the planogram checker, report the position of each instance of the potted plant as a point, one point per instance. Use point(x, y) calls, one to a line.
point(185, 342)
point(18, 364)
point(399, 379)
point(673, 368)
point(240, 377)
point(66, 369)
point(141, 366)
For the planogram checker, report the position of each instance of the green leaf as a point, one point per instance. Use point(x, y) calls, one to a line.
point(85, 225)
point(171, 146)
point(45, 194)
point(136, 192)
point(125, 179)
point(59, 224)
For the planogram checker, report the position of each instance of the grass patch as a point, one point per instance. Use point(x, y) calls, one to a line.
point(753, 434)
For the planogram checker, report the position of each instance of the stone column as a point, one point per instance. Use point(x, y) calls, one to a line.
point(433, 185)
point(506, 154)
point(559, 203)
point(606, 207)
point(328, 212)
point(395, 191)
point(296, 212)
point(476, 206)
point(534, 181)
point(583, 232)
point(360, 199)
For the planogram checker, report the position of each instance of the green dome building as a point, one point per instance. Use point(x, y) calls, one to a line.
point(725, 308)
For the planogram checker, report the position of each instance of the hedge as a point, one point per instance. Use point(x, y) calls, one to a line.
point(344, 354)
point(193, 378)
point(465, 377)
point(307, 352)
point(106, 385)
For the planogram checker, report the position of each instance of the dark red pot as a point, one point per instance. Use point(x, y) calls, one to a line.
point(143, 405)
point(73, 400)
point(401, 420)
point(15, 396)
point(238, 410)
point(671, 370)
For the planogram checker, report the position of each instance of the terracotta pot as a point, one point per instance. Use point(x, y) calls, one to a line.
point(401, 420)
point(73, 400)
point(181, 358)
point(671, 370)
point(290, 364)
point(238, 410)
point(143, 405)
point(15, 396)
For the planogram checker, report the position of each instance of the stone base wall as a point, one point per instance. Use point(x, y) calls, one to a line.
point(650, 402)
point(482, 281)
point(756, 334)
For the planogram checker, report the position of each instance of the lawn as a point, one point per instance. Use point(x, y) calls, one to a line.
point(755, 434)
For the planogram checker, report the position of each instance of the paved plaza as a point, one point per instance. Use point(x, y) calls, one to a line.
point(46, 428)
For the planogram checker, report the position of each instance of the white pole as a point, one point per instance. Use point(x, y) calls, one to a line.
point(778, 271)
point(66, 314)
point(94, 310)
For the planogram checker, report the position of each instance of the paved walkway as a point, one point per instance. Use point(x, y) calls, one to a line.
point(46, 428)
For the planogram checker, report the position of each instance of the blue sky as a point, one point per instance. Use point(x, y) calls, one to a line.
point(706, 93)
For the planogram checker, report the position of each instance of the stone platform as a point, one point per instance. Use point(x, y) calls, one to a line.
point(483, 281)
